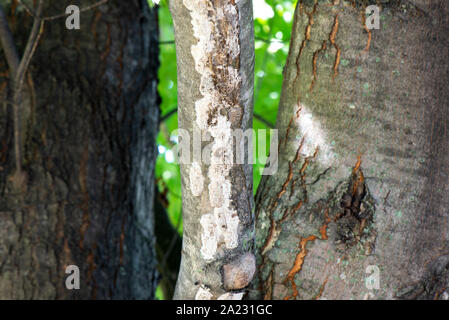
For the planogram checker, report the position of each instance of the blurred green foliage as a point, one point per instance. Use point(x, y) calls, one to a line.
point(272, 26)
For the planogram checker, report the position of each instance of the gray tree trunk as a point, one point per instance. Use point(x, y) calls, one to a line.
point(215, 56)
point(363, 158)
point(89, 152)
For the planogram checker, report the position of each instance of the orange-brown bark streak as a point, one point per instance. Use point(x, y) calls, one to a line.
point(306, 36)
point(321, 289)
point(332, 36)
point(368, 31)
point(299, 260)
point(356, 172)
point(284, 186)
point(314, 63)
point(323, 229)
point(297, 266)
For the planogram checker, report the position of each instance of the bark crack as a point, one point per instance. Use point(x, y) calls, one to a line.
point(332, 37)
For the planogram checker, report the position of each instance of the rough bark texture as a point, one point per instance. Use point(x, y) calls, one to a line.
point(215, 56)
point(89, 136)
point(364, 157)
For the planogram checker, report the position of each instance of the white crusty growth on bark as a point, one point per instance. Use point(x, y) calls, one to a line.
point(221, 225)
point(203, 294)
point(224, 220)
point(196, 179)
point(203, 27)
point(315, 138)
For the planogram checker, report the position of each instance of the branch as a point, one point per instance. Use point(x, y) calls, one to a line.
point(62, 15)
point(18, 78)
point(33, 40)
point(7, 40)
point(258, 81)
point(28, 9)
point(263, 120)
point(270, 40)
point(168, 114)
point(166, 42)
point(19, 68)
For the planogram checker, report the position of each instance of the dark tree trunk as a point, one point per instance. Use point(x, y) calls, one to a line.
point(89, 153)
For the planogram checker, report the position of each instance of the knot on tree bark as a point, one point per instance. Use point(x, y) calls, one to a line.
point(238, 273)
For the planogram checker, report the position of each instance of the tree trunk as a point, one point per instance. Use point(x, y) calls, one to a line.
point(89, 128)
point(215, 56)
point(364, 158)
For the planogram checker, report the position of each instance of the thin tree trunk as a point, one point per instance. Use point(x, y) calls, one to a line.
point(89, 128)
point(364, 158)
point(215, 56)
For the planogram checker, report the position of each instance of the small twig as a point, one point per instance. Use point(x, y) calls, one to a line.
point(19, 67)
point(263, 120)
point(33, 40)
point(62, 15)
point(269, 40)
point(168, 115)
point(9, 47)
point(166, 42)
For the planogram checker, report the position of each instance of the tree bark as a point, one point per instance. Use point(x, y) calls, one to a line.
point(89, 128)
point(363, 159)
point(215, 58)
